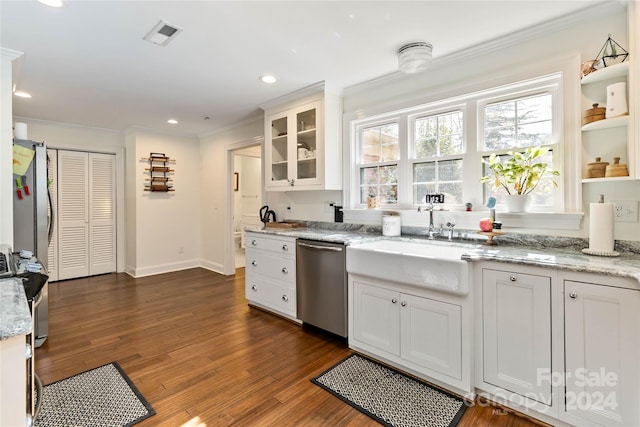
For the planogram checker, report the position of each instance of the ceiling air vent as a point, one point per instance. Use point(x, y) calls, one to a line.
point(162, 33)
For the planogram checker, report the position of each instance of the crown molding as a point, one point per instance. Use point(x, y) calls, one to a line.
point(10, 53)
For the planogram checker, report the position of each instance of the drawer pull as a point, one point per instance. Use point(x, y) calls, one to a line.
point(285, 298)
point(254, 263)
point(254, 243)
point(573, 295)
point(254, 288)
point(513, 278)
point(393, 301)
point(285, 248)
point(284, 270)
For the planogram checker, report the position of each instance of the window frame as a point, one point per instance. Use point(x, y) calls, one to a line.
point(472, 107)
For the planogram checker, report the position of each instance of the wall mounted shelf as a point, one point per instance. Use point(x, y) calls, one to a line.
point(159, 173)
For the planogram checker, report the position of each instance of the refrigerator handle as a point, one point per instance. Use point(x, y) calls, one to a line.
point(51, 217)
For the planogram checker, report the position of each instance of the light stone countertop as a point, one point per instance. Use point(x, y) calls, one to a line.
point(15, 317)
point(560, 253)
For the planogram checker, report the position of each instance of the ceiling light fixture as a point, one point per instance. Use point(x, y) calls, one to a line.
point(268, 79)
point(414, 57)
point(172, 121)
point(22, 94)
point(52, 3)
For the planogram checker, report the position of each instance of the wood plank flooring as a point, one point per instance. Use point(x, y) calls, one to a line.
point(200, 355)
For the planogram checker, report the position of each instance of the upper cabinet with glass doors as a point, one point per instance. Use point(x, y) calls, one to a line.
point(302, 141)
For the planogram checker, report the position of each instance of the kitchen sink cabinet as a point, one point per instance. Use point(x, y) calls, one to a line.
point(419, 333)
point(302, 141)
point(270, 273)
point(602, 349)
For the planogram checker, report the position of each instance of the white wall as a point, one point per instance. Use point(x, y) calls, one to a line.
point(450, 77)
point(216, 178)
point(167, 225)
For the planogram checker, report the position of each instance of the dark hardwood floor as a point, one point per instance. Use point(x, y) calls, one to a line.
point(200, 355)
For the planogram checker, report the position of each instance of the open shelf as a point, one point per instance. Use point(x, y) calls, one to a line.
point(607, 123)
point(606, 73)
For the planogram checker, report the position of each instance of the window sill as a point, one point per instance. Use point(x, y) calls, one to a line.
point(470, 220)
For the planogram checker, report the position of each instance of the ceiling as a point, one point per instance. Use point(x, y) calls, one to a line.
point(87, 63)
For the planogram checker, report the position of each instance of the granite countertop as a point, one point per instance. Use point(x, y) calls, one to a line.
point(559, 253)
point(15, 317)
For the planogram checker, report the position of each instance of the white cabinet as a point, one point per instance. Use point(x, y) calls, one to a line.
point(420, 333)
point(270, 269)
point(302, 141)
point(602, 350)
point(516, 334)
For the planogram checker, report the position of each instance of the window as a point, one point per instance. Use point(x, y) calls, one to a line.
point(437, 149)
point(378, 160)
point(402, 155)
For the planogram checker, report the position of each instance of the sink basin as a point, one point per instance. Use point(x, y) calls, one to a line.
point(433, 266)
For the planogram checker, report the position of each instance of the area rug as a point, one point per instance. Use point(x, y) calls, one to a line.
point(100, 397)
point(388, 396)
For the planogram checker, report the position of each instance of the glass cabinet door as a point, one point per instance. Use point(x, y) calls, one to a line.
point(306, 142)
point(279, 156)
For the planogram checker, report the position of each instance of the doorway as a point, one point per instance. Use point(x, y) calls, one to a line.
point(247, 196)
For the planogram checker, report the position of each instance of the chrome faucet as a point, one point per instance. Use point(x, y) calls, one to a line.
point(432, 228)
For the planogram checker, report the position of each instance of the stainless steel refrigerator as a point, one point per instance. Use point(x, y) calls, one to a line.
point(32, 216)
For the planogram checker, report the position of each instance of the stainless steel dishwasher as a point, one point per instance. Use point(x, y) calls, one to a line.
point(321, 285)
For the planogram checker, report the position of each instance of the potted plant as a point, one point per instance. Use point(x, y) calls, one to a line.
point(519, 175)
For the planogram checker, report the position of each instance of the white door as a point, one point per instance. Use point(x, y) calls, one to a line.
point(73, 214)
point(102, 219)
point(52, 252)
point(376, 317)
point(86, 214)
point(431, 334)
point(516, 332)
point(602, 353)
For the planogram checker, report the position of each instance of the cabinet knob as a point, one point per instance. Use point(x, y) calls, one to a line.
point(254, 263)
point(403, 303)
point(285, 247)
point(284, 270)
point(254, 243)
point(285, 298)
point(254, 288)
point(513, 278)
point(394, 301)
point(573, 295)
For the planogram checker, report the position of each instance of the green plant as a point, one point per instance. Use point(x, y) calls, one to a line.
point(521, 173)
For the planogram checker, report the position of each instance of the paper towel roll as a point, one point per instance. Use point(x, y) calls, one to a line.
point(20, 130)
point(601, 227)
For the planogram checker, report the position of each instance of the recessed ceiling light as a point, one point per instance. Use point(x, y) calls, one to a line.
point(172, 121)
point(267, 79)
point(52, 3)
point(22, 94)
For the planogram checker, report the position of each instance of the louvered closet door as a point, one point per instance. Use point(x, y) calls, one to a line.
point(73, 214)
point(102, 221)
point(52, 174)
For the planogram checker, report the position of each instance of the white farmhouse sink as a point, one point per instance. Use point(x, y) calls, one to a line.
point(424, 265)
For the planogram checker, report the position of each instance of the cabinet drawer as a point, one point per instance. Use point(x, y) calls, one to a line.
point(278, 296)
point(276, 267)
point(282, 245)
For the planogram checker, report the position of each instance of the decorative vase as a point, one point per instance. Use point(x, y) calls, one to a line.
point(517, 202)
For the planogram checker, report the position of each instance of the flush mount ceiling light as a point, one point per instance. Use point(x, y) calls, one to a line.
point(52, 3)
point(268, 79)
point(22, 94)
point(162, 33)
point(414, 57)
